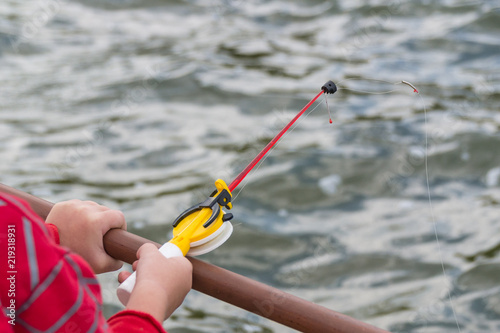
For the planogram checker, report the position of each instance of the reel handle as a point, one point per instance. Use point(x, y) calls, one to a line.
point(123, 292)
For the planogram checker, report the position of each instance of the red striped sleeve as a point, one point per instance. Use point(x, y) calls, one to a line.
point(130, 321)
point(52, 289)
point(54, 232)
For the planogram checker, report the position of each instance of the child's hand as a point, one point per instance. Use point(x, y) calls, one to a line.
point(161, 283)
point(82, 225)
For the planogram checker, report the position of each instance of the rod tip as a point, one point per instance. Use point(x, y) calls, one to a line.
point(329, 87)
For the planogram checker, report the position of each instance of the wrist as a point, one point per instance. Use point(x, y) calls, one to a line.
point(150, 298)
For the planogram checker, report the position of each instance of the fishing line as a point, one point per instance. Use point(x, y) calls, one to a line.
point(374, 80)
point(426, 166)
point(370, 92)
point(294, 125)
point(431, 206)
point(366, 79)
point(328, 108)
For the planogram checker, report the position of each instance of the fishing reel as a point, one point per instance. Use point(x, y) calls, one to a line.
point(198, 230)
point(206, 224)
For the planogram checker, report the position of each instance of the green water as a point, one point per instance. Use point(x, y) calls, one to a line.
point(141, 105)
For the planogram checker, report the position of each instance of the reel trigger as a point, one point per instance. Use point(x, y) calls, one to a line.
point(223, 199)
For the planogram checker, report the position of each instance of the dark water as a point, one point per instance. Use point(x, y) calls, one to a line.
point(141, 105)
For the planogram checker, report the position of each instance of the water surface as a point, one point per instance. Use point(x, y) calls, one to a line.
point(141, 105)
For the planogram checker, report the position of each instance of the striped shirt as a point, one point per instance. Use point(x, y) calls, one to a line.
point(44, 287)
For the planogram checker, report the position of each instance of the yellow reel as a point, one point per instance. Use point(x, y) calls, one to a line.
point(198, 230)
point(205, 226)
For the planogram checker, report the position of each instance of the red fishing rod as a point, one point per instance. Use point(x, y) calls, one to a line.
point(327, 88)
point(205, 226)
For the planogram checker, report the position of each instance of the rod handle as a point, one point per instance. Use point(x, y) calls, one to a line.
point(123, 292)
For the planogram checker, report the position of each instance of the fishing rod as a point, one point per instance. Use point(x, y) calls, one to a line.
point(206, 226)
point(327, 88)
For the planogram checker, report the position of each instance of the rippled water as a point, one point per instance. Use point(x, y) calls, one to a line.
point(141, 105)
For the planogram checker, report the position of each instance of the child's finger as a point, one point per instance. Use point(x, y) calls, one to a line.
point(123, 276)
point(113, 219)
point(91, 203)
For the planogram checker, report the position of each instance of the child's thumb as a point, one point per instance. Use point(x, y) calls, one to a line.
point(146, 250)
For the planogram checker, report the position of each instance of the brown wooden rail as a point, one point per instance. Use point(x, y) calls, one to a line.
point(232, 288)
